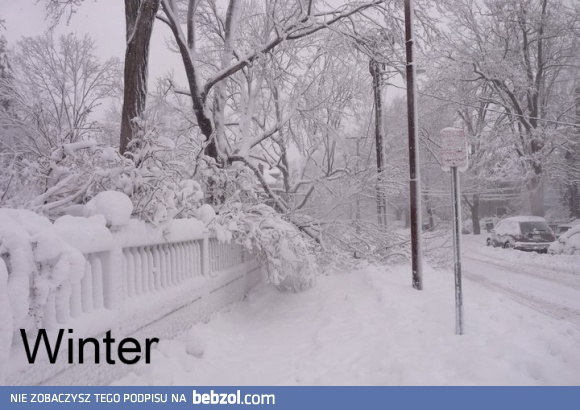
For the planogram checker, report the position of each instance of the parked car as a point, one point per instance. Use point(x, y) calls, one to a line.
point(568, 243)
point(528, 233)
point(560, 229)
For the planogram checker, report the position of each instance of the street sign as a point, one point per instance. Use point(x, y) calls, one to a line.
point(453, 149)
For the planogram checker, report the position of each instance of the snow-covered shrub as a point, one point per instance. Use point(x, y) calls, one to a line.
point(346, 242)
point(49, 182)
point(234, 183)
point(205, 213)
point(58, 266)
point(160, 181)
point(115, 206)
point(16, 230)
point(157, 176)
point(38, 261)
point(285, 253)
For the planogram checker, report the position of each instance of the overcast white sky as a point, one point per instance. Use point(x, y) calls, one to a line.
point(104, 20)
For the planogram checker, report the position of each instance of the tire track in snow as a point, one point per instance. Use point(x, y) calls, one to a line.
point(538, 304)
point(561, 278)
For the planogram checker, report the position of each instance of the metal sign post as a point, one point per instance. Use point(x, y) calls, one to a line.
point(456, 198)
point(454, 158)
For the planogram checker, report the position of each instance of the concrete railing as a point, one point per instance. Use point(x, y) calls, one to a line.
point(140, 286)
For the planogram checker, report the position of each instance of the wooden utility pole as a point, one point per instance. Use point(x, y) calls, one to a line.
point(376, 70)
point(414, 171)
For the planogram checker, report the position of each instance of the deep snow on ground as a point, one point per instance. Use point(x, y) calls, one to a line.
point(369, 327)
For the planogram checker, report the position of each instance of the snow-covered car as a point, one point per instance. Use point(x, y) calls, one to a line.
point(562, 228)
point(568, 243)
point(528, 233)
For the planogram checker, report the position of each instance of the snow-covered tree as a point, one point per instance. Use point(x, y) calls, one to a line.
point(520, 50)
point(54, 90)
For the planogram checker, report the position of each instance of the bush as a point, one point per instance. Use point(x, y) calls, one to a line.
point(281, 249)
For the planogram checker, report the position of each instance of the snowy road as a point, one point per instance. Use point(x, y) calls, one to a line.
point(553, 293)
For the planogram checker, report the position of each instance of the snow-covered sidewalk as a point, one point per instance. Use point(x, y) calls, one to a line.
point(369, 327)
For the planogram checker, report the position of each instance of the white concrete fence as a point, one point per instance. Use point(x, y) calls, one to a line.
point(145, 269)
point(139, 287)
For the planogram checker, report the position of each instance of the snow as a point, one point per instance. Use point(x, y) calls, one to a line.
point(16, 228)
point(525, 219)
point(205, 213)
point(165, 143)
point(139, 233)
point(573, 245)
point(109, 154)
point(6, 320)
point(568, 243)
point(369, 327)
point(88, 235)
point(571, 224)
point(115, 206)
point(30, 221)
point(47, 246)
point(197, 340)
point(69, 149)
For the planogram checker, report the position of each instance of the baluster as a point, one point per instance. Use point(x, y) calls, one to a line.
point(62, 303)
point(200, 257)
point(87, 288)
point(125, 281)
point(226, 253)
point(76, 306)
point(180, 267)
point(196, 259)
point(218, 259)
point(138, 271)
point(97, 269)
point(165, 280)
point(224, 256)
point(210, 256)
point(186, 263)
point(152, 268)
point(173, 263)
point(49, 318)
point(185, 260)
point(218, 256)
point(213, 254)
point(189, 251)
point(157, 271)
point(144, 269)
point(130, 263)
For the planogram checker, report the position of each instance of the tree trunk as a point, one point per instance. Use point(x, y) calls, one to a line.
point(475, 214)
point(573, 194)
point(139, 19)
point(428, 208)
point(573, 161)
point(536, 194)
